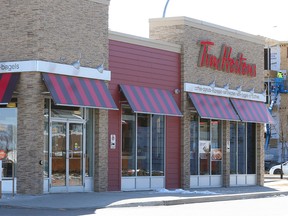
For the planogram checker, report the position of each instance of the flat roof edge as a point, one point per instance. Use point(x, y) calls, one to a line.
point(144, 42)
point(172, 21)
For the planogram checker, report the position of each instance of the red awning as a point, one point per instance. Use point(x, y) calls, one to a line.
point(8, 83)
point(150, 100)
point(78, 91)
point(252, 111)
point(213, 107)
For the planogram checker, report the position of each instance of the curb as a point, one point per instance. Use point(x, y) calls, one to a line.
point(178, 201)
point(203, 199)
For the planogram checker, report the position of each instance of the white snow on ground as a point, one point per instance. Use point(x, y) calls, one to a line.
point(181, 191)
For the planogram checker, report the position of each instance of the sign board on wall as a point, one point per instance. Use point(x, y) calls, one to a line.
point(217, 91)
point(275, 58)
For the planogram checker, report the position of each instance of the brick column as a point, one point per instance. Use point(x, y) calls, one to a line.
point(101, 144)
point(185, 144)
point(226, 154)
point(30, 139)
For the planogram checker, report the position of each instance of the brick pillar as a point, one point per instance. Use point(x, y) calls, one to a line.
point(226, 154)
point(30, 137)
point(185, 145)
point(101, 151)
point(260, 154)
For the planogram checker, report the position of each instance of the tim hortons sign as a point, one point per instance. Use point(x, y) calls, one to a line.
point(225, 62)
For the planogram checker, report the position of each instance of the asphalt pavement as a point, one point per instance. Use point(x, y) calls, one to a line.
point(273, 186)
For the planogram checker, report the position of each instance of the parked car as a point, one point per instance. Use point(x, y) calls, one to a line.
point(277, 169)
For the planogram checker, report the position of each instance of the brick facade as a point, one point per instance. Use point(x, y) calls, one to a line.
point(54, 31)
point(188, 32)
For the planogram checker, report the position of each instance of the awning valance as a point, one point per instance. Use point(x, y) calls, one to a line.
point(78, 91)
point(8, 83)
point(213, 107)
point(150, 100)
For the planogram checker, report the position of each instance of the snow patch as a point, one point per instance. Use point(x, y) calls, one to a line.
point(181, 191)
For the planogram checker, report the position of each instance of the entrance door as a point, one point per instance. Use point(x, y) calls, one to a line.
point(67, 157)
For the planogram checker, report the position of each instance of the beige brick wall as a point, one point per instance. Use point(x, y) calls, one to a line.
point(55, 31)
point(187, 33)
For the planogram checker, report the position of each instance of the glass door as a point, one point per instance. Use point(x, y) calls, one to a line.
point(67, 156)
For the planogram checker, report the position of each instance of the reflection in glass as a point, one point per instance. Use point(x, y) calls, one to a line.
point(143, 145)
point(216, 151)
point(157, 145)
point(128, 142)
point(75, 154)
point(142, 152)
point(241, 148)
point(8, 139)
point(251, 148)
point(58, 154)
point(205, 147)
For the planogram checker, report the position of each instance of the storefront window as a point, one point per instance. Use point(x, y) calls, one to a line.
point(142, 151)
point(8, 138)
point(128, 142)
point(216, 151)
point(73, 115)
point(158, 145)
point(204, 146)
point(251, 148)
point(242, 148)
point(206, 151)
point(143, 145)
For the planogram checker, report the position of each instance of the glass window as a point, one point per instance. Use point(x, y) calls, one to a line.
point(8, 138)
point(142, 150)
point(251, 148)
point(128, 142)
point(143, 145)
point(206, 152)
point(242, 148)
point(204, 147)
point(216, 151)
point(158, 145)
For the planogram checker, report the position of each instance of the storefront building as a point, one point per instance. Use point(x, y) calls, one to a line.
point(183, 109)
point(222, 101)
point(145, 134)
point(53, 115)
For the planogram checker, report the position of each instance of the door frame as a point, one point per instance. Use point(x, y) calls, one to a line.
point(67, 187)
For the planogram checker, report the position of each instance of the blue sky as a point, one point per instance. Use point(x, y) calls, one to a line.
point(250, 16)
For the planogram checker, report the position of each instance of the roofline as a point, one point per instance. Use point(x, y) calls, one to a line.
point(182, 20)
point(144, 42)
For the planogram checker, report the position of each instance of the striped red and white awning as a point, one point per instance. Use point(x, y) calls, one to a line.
point(213, 107)
point(79, 91)
point(150, 100)
point(252, 111)
point(8, 83)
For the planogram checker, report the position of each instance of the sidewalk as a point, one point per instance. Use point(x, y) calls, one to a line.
point(274, 186)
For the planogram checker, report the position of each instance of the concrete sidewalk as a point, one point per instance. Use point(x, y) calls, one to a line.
point(94, 200)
